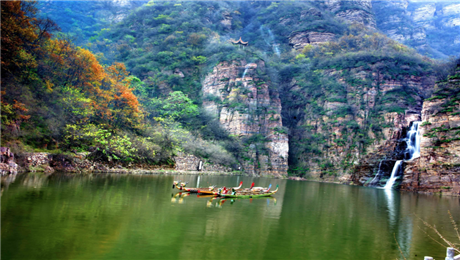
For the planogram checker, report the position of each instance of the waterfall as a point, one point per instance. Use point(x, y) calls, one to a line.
point(275, 46)
point(393, 177)
point(413, 142)
point(412, 151)
point(270, 40)
point(245, 70)
point(377, 176)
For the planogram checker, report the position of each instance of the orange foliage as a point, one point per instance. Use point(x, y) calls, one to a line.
point(19, 106)
point(26, 44)
point(21, 35)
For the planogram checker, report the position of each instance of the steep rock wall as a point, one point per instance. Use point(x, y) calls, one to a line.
point(353, 11)
point(299, 40)
point(359, 122)
point(438, 168)
point(248, 109)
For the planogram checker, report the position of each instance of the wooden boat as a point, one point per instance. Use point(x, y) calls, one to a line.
point(259, 189)
point(179, 185)
point(224, 190)
point(175, 183)
point(215, 191)
point(249, 195)
point(247, 189)
point(208, 191)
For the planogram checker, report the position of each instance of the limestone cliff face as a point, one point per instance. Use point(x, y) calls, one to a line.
point(350, 12)
point(354, 11)
point(438, 168)
point(299, 40)
point(248, 109)
point(358, 125)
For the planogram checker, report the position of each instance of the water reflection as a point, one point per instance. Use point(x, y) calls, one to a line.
point(389, 195)
point(179, 197)
point(7, 180)
point(141, 217)
point(218, 202)
point(400, 226)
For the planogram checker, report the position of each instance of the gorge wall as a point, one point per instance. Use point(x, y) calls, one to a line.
point(236, 94)
point(355, 120)
point(437, 169)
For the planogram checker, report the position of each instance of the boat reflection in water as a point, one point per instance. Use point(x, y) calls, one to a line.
point(179, 197)
point(221, 201)
point(218, 202)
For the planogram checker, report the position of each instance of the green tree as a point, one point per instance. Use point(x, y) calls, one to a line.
point(177, 106)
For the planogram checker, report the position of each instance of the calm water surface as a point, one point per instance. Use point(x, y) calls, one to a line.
point(138, 217)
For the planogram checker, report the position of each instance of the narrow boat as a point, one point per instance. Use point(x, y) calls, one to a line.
point(247, 189)
point(209, 191)
point(179, 185)
point(224, 190)
point(175, 183)
point(260, 189)
point(215, 192)
point(248, 195)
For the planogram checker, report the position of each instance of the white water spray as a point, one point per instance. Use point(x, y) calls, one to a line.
point(393, 177)
point(270, 40)
point(275, 46)
point(413, 141)
point(412, 152)
point(377, 175)
point(245, 70)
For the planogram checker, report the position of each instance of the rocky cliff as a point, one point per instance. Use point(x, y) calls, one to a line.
point(347, 12)
point(356, 120)
point(354, 11)
point(438, 168)
point(236, 94)
point(299, 40)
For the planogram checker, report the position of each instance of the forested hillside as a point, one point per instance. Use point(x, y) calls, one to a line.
point(313, 89)
point(431, 27)
point(58, 97)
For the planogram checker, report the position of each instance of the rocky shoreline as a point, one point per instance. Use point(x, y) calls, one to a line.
point(48, 163)
point(79, 163)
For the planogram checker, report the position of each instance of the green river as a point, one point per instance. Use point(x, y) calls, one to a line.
point(138, 217)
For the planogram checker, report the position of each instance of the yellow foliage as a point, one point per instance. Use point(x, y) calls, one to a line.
point(49, 85)
point(307, 48)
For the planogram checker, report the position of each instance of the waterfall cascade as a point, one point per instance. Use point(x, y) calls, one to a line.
point(245, 71)
point(275, 46)
point(412, 151)
point(377, 176)
point(413, 142)
point(270, 40)
point(394, 175)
